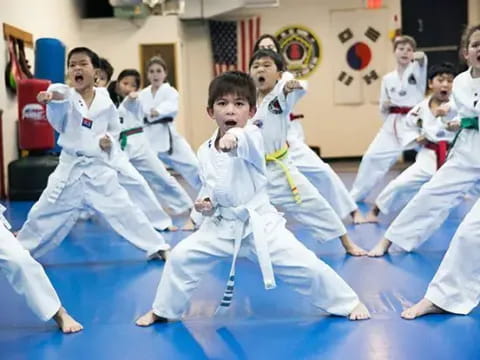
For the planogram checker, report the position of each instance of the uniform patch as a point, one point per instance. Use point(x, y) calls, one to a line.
point(412, 80)
point(258, 123)
point(87, 123)
point(274, 106)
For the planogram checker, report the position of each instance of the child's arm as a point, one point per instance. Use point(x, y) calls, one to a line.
point(245, 143)
point(413, 134)
point(420, 62)
point(57, 99)
point(107, 141)
point(292, 92)
point(384, 100)
point(132, 103)
point(168, 107)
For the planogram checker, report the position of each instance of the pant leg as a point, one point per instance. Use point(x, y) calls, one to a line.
point(49, 223)
point(27, 276)
point(456, 285)
point(142, 195)
point(402, 189)
point(184, 161)
point(379, 158)
point(188, 262)
point(325, 180)
point(105, 194)
point(165, 186)
point(294, 264)
point(431, 205)
point(313, 213)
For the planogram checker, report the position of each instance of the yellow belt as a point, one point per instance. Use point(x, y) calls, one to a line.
point(277, 157)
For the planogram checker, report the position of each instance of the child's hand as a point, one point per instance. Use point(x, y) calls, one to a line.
point(453, 125)
point(105, 144)
point(291, 85)
point(419, 56)
point(421, 140)
point(228, 142)
point(154, 113)
point(204, 207)
point(133, 95)
point(442, 110)
point(44, 97)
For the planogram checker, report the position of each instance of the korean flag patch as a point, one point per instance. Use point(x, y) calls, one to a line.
point(412, 80)
point(274, 106)
point(87, 123)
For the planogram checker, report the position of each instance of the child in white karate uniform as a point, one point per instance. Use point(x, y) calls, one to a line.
point(460, 174)
point(136, 146)
point(88, 124)
point(289, 190)
point(428, 129)
point(400, 91)
point(28, 278)
point(160, 106)
point(239, 219)
point(319, 173)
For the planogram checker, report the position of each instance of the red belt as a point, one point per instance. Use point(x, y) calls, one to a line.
point(399, 109)
point(441, 149)
point(295, 116)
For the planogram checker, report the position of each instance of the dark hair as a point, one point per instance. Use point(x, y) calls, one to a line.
point(232, 82)
point(105, 65)
point(130, 72)
point(439, 69)
point(276, 57)
point(267, 36)
point(94, 59)
point(404, 39)
point(157, 59)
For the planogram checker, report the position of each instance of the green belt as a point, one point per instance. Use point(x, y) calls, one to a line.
point(465, 123)
point(126, 133)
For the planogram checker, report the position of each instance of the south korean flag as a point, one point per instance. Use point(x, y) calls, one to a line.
point(361, 49)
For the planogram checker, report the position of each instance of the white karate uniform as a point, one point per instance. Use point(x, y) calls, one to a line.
point(405, 91)
point(84, 178)
point(164, 139)
point(27, 277)
point(431, 205)
point(319, 173)
point(313, 213)
point(245, 224)
point(456, 285)
point(144, 159)
point(401, 190)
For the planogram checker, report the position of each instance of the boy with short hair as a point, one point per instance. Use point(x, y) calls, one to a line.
point(288, 189)
point(401, 89)
point(88, 125)
point(239, 218)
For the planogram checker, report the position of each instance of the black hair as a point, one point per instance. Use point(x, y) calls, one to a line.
point(267, 36)
point(105, 65)
point(439, 69)
point(276, 57)
point(232, 82)
point(130, 72)
point(94, 59)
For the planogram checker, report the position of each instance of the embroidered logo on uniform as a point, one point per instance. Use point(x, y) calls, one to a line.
point(392, 89)
point(274, 106)
point(441, 134)
point(412, 80)
point(402, 93)
point(121, 119)
point(258, 123)
point(87, 123)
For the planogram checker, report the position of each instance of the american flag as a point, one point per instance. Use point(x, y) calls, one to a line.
point(232, 43)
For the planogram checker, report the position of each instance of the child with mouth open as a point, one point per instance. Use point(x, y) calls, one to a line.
point(239, 219)
point(288, 189)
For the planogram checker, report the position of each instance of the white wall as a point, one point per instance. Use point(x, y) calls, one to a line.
point(46, 18)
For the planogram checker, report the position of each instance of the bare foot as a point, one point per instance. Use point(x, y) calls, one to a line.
point(371, 217)
point(149, 319)
point(189, 225)
point(359, 313)
point(358, 218)
point(160, 254)
point(352, 248)
point(380, 249)
point(171, 228)
point(423, 307)
point(66, 323)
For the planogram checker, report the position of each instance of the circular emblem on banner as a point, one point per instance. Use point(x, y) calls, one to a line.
point(359, 56)
point(300, 49)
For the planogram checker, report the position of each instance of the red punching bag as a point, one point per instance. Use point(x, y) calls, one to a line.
point(35, 133)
